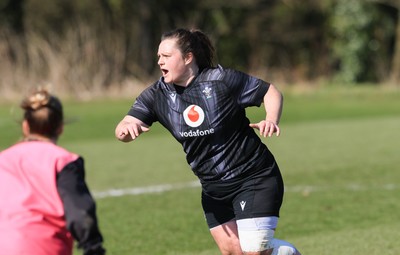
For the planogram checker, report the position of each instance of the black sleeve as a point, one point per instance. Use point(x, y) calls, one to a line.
point(142, 108)
point(248, 90)
point(80, 208)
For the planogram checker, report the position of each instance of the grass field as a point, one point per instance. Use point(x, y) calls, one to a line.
point(338, 152)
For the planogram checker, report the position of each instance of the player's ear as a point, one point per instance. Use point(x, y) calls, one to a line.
point(189, 58)
point(25, 128)
point(60, 129)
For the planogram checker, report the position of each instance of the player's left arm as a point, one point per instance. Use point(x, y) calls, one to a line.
point(273, 103)
point(80, 208)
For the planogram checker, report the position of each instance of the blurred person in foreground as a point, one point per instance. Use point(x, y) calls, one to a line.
point(44, 201)
point(203, 107)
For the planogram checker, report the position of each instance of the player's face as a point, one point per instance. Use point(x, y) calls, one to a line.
point(174, 67)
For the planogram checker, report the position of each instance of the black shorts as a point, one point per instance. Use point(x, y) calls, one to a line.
point(256, 195)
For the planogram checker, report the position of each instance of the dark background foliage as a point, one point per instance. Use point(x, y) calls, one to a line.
point(92, 46)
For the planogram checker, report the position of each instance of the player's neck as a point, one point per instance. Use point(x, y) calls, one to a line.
point(37, 137)
point(192, 72)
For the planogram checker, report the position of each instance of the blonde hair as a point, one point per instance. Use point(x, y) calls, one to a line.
point(43, 112)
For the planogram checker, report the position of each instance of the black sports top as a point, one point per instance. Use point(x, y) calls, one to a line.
point(208, 118)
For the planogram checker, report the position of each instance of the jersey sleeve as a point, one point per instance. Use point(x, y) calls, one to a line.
point(248, 90)
point(142, 108)
point(79, 208)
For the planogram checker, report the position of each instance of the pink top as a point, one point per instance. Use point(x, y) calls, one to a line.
point(31, 212)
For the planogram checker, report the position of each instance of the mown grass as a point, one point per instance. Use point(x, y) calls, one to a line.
point(338, 153)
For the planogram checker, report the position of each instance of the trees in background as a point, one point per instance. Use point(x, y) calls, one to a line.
point(93, 45)
point(366, 41)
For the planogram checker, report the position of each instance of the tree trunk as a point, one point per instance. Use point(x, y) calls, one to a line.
point(395, 70)
point(145, 37)
point(394, 76)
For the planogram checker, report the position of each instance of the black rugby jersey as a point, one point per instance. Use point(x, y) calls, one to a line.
point(208, 119)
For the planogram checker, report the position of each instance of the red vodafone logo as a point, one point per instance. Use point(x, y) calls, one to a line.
point(193, 115)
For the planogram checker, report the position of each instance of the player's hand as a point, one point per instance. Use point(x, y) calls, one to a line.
point(266, 128)
point(129, 129)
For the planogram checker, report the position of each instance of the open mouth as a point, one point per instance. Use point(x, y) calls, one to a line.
point(164, 72)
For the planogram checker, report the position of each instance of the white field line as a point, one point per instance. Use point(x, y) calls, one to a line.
point(195, 184)
point(145, 190)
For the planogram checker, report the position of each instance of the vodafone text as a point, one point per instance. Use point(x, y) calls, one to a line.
point(197, 132)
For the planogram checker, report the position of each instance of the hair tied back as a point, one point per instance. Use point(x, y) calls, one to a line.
point(36, 100)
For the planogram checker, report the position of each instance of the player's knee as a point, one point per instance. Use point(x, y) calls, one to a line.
point(284, 250)
point(256, 235)
point(262, 240)
point(281, 247)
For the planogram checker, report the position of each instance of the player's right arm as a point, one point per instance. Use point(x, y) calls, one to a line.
point(129, 128)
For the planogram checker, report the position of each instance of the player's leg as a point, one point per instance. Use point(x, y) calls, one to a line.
point(221, 222)
point(251, 242)
point(256, 234)
point(259, 195)
point(281, 247)
point(226, 238)
point(257, 237)
point(257, 209)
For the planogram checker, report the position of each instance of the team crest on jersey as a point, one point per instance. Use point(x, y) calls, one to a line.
point(207, 92)
point(193, 115)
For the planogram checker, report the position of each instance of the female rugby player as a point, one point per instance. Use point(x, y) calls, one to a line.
point(203, 107)
point(45, 202)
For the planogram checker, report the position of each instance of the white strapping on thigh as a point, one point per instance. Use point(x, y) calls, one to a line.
point(256, 240)
point(260, 223)
point(255, 234)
